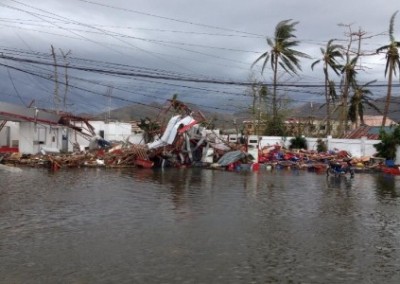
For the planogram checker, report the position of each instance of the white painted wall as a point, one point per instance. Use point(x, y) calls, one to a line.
point(117, 131)
point(26, 133)
point(9, 134)
point(33, 137)
point(113, 131)
point(356, 147)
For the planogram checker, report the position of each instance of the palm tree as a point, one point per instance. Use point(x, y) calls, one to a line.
point(329, 59)
point(392, 64)
point(282, 54)
point(349, 73)
point(361, 96)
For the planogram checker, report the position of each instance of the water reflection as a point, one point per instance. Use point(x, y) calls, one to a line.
point(340, 182)
point(198, 226)
point(386, 186)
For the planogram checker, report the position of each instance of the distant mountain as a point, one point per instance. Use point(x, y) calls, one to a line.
point(226, 121)
point(154, 110)
point(319, 110)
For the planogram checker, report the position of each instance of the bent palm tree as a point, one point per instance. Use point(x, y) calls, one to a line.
point(329, 59)
point(282, 54)
point(392, 64)
point(361, 96)
point(349, 81)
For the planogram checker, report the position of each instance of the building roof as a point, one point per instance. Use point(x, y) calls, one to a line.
point(376, 120)
point(12, 112)
point(371, 132)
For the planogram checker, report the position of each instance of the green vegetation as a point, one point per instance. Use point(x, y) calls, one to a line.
point(321, 146)
point(329, 58)
point(275, 126)
point(298, 142)
point(150, 129)
point(392, 64)
point(282, 54)
point(360, 97)
point(389, 142)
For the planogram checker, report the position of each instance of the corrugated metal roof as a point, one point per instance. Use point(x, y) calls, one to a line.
point(12, 112)
point(371, 132)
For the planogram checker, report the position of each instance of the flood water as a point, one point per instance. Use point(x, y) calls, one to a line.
point(197, 226)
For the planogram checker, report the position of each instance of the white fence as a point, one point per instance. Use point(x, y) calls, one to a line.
point(356, 147)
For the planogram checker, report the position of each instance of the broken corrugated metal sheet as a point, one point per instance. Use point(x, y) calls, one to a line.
point(370, 132)
point(17, 113)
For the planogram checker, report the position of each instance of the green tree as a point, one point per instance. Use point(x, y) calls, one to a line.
point(330, 54)
point(362, 95)
point(389, 142)
point(298, 142)
point(262, 97)
point(275, 126)
point(282, 54)
point(150, 129)
point(392, 64)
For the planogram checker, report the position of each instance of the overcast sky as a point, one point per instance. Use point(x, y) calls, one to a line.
point(208, 39)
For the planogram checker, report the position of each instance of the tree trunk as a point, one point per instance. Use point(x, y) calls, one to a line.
point(274, 106)
point(389, 93)
point(328, 103)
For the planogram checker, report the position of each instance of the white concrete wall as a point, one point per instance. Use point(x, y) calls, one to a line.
point(356, 147)
point(113, 131)
point(26, 133)
point(117, 131)
point(33, 137)
point(9, 133)
point(274, 140)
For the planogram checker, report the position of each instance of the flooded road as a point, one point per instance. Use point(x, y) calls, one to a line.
point(197, 226)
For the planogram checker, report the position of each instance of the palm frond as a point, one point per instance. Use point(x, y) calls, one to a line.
point(315, 63)
point(336, 68)
point(387, 67)
point(300, 54)
point(382, 48)
point(291, 62)
point(273, 59)
point(391, 26)
point(353, 61)
point(368, 83)
point(265, 63)
point(373, 106)
point(270, 42)
point(264, 56)
point(288, 68)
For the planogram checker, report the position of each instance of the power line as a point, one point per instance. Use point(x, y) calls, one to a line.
point(167, 18)
point(155, 75)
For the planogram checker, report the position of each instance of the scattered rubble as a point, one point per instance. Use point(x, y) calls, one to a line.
point(182, 142)
point(233, 157)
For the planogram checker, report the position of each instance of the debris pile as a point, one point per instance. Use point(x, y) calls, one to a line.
point(118, 156)
point(181, 141)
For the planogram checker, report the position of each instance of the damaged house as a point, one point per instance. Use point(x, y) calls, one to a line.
point(33, 130)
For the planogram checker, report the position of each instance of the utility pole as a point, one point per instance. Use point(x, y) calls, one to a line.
point(108, 94)
point(56, 97)
point(348, 69)
point(66, 63)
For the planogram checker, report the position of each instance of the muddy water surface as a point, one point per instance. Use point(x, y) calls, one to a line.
point(197, 226)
